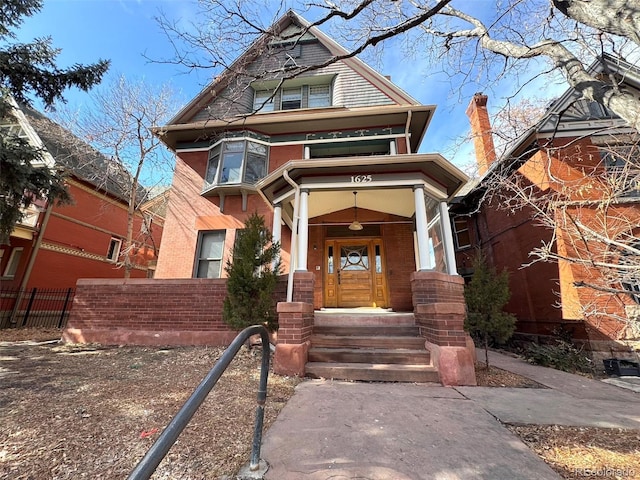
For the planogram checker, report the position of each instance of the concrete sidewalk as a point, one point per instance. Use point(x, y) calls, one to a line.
point(386, 431)
point(571, 400)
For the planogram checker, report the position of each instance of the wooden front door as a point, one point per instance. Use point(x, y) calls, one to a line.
point(355, 274)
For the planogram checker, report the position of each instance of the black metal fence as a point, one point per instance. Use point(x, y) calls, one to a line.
point(36, 307)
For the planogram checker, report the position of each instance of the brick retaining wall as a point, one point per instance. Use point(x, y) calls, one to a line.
point(152, 312)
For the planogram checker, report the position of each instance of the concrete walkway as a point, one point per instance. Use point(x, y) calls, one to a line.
point(384, 431)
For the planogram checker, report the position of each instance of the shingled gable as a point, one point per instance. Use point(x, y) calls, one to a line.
point(290, 29)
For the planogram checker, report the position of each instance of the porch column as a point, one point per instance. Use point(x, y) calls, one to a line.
point(276, 231)
point(449, 250)
point(424, 262)
point(303, 231)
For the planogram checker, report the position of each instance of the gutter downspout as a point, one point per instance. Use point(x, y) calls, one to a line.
point(31, 263)
point(294, 233)
point(406, 131)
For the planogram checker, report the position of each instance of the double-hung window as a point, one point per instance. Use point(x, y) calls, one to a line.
point(319, 96)
point(236, 161)
point(461, 233)
point(210, 250)
point(291, 98)
point(263, 101)
point(12, 265)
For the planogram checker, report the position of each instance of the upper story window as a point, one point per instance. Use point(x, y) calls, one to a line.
point(622, 163)
point(319, 96)
point(304, 92)
point(236, 161)
point(461, 233)
point(291, 98)
point(263, 100)
point(351, 148)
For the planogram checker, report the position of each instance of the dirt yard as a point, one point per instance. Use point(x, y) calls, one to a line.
point(72, 412)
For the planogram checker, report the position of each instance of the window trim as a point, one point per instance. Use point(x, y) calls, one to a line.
point(198, 259)
point(114, 253)
point(457, 232)
point(14, 261)
point(219, 146)
point(328, 95)
point(265, 104)
point(282, 100)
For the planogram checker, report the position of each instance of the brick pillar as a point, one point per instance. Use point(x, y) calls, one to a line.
point(439, 309)
point(295, 324)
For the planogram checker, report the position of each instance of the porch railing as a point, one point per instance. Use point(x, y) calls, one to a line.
point(160, 448)
point(35, 307)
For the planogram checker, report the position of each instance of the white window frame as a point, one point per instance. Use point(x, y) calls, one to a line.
point(290, 90)
point(11, 268)
point(199, 259)
point(321, 100)
point(263, 101)
point(457, 231)
point(113, 252)
point(218, 150)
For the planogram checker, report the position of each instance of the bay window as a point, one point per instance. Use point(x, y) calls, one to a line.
point(236, 161)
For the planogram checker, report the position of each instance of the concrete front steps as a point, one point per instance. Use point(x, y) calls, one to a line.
point(379, 347)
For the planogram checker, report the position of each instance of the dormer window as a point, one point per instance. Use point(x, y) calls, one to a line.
point(319, 96)
point(236, 161)
point(263, 101)
point(297, 93)
point(291, 98)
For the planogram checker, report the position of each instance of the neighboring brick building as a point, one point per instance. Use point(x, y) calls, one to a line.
point(55, 245)
point(572, 157)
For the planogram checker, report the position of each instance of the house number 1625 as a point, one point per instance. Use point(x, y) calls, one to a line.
point(361, 178)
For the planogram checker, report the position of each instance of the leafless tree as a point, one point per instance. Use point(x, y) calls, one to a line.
point(587, 198)
point(116, 122)
point(475, 44)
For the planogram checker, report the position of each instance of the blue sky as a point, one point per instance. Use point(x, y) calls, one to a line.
point(124, 31)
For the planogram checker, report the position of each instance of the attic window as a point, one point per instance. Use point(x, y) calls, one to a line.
point(263, 101)
point(291, 98)
point(319, 96)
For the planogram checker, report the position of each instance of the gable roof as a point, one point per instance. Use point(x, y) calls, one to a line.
point(280, 32)
point(79, 158)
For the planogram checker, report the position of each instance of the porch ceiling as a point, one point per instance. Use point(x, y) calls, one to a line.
point(393, 201)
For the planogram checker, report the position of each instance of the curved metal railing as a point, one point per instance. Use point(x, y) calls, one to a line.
point(165, 441)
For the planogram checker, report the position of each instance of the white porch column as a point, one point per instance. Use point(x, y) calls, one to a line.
point(303, 231)
point(424, 262)
point(276, 231)
point(449, 250)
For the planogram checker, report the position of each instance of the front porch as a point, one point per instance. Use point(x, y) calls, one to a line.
point(426, 345)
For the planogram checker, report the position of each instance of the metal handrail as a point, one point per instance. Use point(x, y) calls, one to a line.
point(165, 441)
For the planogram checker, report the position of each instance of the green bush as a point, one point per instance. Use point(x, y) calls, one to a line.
point(486, 296)
point(562, 355)
point(252, 277)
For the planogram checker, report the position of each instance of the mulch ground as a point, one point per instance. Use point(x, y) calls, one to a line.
point(90, 411)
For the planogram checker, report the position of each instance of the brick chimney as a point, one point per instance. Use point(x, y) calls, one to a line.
point(481, 131)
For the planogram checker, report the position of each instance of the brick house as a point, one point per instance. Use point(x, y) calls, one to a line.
point(328, 157)
point(55, 245)
point(574, 156)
